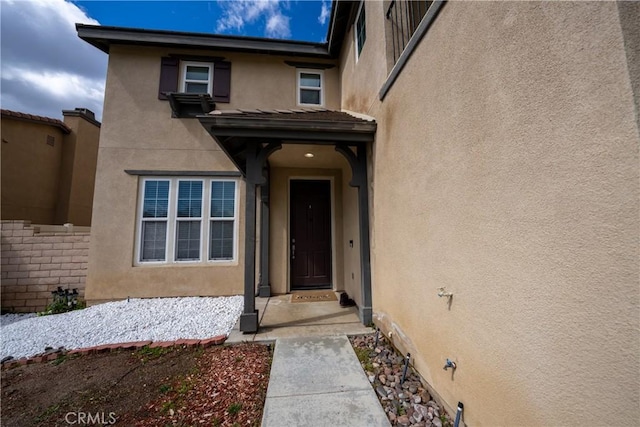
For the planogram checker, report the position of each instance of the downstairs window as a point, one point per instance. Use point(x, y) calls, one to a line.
point(185, 220)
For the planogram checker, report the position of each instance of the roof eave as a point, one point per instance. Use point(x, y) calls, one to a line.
point(305, 130)
point(103, 37)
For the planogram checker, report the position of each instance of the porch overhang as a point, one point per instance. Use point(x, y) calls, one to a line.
point(249, 137)
point(234, 130)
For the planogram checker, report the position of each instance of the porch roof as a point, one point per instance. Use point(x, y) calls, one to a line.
point(234, 129)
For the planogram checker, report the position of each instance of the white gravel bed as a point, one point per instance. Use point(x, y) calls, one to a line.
point(155, 319)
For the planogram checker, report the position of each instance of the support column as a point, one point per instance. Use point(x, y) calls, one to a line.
point(264, 289)
point(358, 162)
point(256, 157)
point(249, 317)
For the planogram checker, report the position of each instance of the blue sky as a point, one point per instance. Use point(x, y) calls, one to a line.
point(298, 20)
point(45, 68)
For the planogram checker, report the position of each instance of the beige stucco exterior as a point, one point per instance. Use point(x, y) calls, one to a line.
point(511, 179)
point(78, 169)
point(505, 169)
point(139, 134)
point(44, 180)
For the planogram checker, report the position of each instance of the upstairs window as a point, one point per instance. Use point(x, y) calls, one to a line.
point(310, 84)
point(360, 30)
point(196, 77)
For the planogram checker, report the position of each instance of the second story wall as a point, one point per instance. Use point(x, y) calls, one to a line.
point(363, 74)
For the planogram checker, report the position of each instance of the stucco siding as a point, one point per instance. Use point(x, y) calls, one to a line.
point(139, 134)
point(30, 170)
point(511, 178)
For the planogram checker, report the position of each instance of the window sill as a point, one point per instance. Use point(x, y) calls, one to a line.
point(189, 264)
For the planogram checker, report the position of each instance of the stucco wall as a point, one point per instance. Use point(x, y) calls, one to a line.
point(30, 170)
point(138, 134)
point(506, 170)
point(78, 171)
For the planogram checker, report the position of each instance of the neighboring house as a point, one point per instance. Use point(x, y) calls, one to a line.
point(49, 167)
point(488, 148)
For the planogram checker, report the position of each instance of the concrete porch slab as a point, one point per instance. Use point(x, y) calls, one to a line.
point(279, 318)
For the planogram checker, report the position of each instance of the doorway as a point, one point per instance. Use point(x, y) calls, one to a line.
point(310, 234)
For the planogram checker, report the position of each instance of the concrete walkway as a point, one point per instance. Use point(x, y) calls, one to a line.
point(318, 381)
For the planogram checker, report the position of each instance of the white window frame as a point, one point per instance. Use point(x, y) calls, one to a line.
point(299, 87)
point(141, 220)
point(355, 30)
point(187, 219)
point(183, 75)
point(172, 220)
point(211, 219)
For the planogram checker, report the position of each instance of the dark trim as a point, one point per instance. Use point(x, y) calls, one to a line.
point(312, 130)
point(428, 19)
point(256, 159)
point(298, 136)
point(310, 65)
point(264, 288)
point(228, 174)
point(358, 163)
point(103, 37)
point(197, 58)
point(249, 316)
point(190, 105)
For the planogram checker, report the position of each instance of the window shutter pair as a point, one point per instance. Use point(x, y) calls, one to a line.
point(169, 71)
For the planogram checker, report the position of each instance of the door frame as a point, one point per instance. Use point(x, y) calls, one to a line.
point(333, 224)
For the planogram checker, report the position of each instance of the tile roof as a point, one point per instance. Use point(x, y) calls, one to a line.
point(315, 113)
point(38, 119)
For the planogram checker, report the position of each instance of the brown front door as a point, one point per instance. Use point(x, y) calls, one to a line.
point(310, 246)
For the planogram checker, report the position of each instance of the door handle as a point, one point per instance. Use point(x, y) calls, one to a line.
point(293, 251)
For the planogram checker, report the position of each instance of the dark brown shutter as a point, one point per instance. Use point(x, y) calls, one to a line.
point(168, 76)
point(222, 81)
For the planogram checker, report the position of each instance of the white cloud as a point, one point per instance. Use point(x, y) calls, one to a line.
point(238, 13)
point(324, 12)
point(278, 26)
point(45, 67)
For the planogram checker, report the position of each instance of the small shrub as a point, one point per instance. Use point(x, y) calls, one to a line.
point(63, 302)
point(234, 408)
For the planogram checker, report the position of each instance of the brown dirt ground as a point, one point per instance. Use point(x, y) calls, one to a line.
point(217, 386)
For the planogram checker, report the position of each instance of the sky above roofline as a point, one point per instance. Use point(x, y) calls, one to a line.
point(46, 68)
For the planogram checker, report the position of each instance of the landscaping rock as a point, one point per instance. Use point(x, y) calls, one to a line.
point(406, 404)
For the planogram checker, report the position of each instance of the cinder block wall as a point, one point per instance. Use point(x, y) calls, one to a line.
point(34, 264)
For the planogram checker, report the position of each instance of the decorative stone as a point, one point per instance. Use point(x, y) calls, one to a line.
point(421, 409)
point(403, 403)
point(403, 420)
point(436, 422)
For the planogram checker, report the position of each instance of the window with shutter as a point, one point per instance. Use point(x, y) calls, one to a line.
point(195, 77)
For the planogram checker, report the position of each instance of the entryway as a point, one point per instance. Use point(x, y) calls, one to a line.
point(310, 234)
